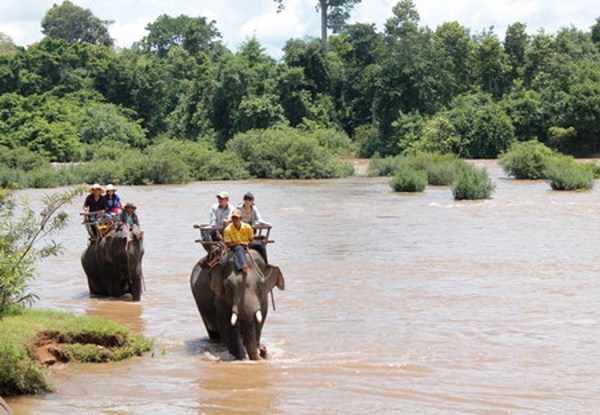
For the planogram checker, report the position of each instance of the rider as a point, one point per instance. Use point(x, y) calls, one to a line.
point(130, 218)
point(250, 213)
point(220, 215)
point(238, 237)
point(93, 206)
point(113, 200)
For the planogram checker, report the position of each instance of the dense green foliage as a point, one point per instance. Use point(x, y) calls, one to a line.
point(527, 160)
point(406, 89)
point(565, 173)
point(84, 339)
point(472, 183)
point(409, 180)
point(286, 153)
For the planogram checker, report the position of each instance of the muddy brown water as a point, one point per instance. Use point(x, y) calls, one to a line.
point(395, 304)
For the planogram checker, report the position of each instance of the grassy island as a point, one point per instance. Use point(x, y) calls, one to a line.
point(31, 340)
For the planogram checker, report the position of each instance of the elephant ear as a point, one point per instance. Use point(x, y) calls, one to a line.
point(216, 279)
point(273, 278)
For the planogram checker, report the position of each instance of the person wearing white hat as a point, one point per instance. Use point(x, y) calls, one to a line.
point(220, 215)
point(113, 200)
point(95, 201)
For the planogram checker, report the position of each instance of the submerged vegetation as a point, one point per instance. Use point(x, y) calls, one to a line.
point(32, 339)
point(533, 160)
point(472, 183)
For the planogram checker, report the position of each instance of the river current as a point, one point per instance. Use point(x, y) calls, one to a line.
point(395, 304)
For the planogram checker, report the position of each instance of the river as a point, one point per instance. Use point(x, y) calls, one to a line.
point(395, 304)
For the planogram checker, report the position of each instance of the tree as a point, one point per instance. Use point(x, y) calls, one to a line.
point(596, 32)
point(21, 231)
point(515, 44)
point(334, 14)
point(74, 24)
point(194, 34)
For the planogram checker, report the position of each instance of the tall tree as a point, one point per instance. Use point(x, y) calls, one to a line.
point(194, 34)
point(334, 14)
point(74, 24)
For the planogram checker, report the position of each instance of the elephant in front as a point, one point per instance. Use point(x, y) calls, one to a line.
point(113, 264)
point(233, 304)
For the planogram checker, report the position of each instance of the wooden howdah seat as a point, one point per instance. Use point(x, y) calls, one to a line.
point(216, 249)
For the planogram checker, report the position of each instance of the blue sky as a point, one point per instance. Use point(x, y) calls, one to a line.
point(238, 20)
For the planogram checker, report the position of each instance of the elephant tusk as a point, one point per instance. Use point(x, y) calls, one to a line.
point(259, 316)
point(234, 318)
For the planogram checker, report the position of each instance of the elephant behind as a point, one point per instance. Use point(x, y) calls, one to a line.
point(113, 264)
point(234, 305)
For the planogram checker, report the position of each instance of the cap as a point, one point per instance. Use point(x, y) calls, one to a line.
point(223, 195)
point(236, 213)
point(249, 195)
point(130, 205)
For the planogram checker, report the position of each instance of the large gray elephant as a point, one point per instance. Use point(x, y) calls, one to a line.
point(113, 264)
point(234, 305)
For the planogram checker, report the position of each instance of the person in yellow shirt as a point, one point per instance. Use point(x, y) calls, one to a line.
point(238, 236)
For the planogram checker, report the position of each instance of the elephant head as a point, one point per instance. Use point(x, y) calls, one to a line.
point(242, 302)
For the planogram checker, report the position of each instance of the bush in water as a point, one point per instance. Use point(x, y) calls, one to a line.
point(409, 180)
point(472, 183)
point(441, 168)
point(527, 160)
point(286, 153)
point(387, 166)
point(565, 173)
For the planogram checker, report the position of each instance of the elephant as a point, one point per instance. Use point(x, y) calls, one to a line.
point(113, 264)
point(234, 305)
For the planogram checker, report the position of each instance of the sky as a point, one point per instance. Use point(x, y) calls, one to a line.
point(238, 20)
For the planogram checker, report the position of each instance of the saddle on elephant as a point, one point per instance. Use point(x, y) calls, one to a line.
point(216, 249)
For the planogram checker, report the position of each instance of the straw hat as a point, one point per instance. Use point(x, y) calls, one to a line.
point(236, 213)
point(110, 187)
point(130, 205)
point(94, 187)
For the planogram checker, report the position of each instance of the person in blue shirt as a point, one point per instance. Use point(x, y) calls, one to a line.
point(113, 201)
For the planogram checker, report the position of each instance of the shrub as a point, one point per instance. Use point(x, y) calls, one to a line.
point(21, 158)
point(387, 166)
point(409, 180)
point(472, 183)
point(526, 160)
point(286, 153)
point(441, 168)
point(565, 173)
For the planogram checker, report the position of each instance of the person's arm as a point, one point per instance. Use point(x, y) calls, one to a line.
point(213, 217)
point(136, 220)
point(119, 204)
point(258, 220)
point(86, 204)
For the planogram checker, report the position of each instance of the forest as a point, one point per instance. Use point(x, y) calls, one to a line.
point(181, 104)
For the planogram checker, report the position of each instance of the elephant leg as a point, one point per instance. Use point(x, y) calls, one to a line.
point(136, 289)
point(230, 336)
point(209, 318)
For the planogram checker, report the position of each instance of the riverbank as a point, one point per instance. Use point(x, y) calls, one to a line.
point(32, 340)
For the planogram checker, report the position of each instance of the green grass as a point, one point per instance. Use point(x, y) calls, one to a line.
point(86, 339)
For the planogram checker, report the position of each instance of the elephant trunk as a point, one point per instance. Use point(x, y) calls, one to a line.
point(248, 329)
